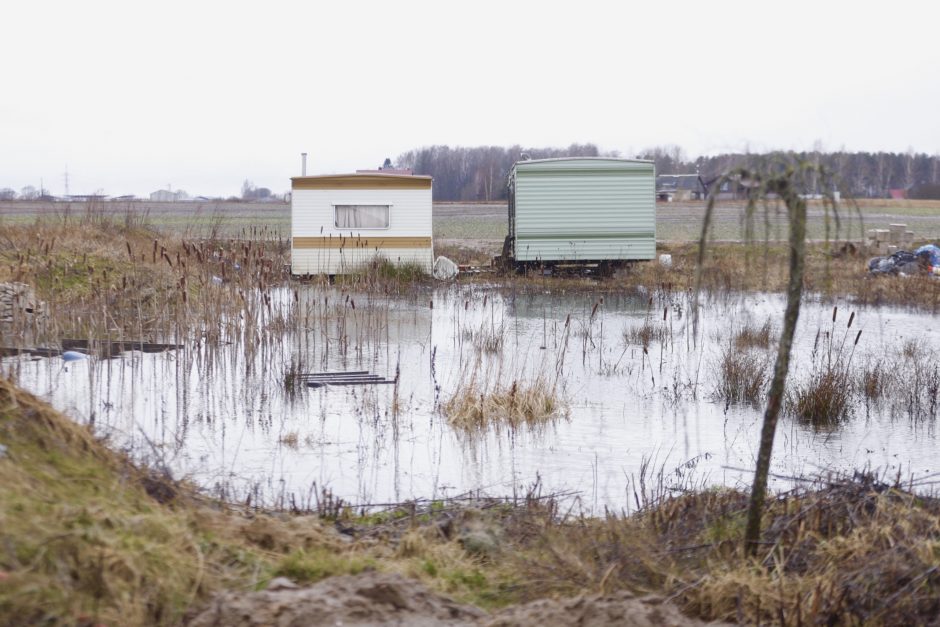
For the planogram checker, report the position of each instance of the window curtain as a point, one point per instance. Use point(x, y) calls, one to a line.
point(362, 216)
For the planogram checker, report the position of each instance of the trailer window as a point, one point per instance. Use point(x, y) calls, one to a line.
point(361, 216)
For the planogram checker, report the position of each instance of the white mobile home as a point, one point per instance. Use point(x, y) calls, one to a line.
point(581, 210)
point(341, 223)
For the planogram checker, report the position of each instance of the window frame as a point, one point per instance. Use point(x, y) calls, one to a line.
point(388, 209)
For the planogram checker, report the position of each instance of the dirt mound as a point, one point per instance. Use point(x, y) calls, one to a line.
point(390, 599)
point(367, 599)
point(621, 609)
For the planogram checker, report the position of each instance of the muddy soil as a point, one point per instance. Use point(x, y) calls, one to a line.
point(389, 599)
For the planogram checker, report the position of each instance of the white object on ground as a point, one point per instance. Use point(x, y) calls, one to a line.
point(444, 269)
point(665, 260)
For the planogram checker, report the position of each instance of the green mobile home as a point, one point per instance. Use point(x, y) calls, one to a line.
point(581, 210)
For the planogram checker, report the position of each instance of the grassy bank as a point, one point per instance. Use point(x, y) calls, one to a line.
point(831, 272)
point(90, 538)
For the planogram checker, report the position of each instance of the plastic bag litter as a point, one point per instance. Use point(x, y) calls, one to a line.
point(444, 269)
point(931, 253)
point(893, 263)
point(924, 260)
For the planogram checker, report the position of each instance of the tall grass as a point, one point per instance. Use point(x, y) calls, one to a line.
point(824, 399)
point(742, 376)
point(752, 336)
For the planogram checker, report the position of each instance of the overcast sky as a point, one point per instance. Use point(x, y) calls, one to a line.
point(134, 96)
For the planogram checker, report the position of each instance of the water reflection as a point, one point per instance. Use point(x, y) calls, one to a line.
point(639, 385)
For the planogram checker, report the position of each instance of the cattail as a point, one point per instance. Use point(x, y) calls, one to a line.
point(857, 337)
point(835, 311)
point(851, 318)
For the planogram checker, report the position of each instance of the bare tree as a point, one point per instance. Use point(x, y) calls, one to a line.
point(785, 183)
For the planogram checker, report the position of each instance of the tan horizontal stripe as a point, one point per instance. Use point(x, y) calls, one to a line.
point(362, 242)
point(361, 182)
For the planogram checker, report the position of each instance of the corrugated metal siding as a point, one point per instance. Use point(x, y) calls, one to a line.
point(585, 210)
point(312, 216)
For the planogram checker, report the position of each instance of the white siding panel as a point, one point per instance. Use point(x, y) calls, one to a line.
point(349, 260)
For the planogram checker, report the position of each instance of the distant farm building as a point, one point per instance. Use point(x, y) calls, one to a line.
point(86, 197)
point(581, 209)
point(342, 223)
point(166, 195)
point(680, 187)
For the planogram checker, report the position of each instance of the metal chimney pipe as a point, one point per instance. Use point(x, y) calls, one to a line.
point(303, 161)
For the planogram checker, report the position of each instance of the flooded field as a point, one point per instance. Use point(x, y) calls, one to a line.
point(629, 397)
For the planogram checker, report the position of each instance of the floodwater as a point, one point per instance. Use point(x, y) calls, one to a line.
point(222, 415)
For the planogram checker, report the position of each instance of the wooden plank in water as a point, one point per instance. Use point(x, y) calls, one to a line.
point(320, 384)
point(350, 377)
point(112, 347)
point(317, 375)
point(11, 351)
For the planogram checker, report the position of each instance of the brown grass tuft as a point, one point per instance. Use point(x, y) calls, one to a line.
point(742, 376)
point(476, 406)
point(751, 336)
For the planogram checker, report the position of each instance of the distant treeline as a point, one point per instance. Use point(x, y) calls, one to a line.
point(859, 174)
point(479, 173)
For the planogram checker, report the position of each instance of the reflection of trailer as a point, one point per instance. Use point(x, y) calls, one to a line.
point(587, 212)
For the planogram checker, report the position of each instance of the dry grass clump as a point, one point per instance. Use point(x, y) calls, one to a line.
point(478, 406)
point(646, 333)
point(751, 336)
point(489, 338)
point(874, 380)
point(853, 550)
point(822, 401)
point(825, 398)
point(742, 376)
